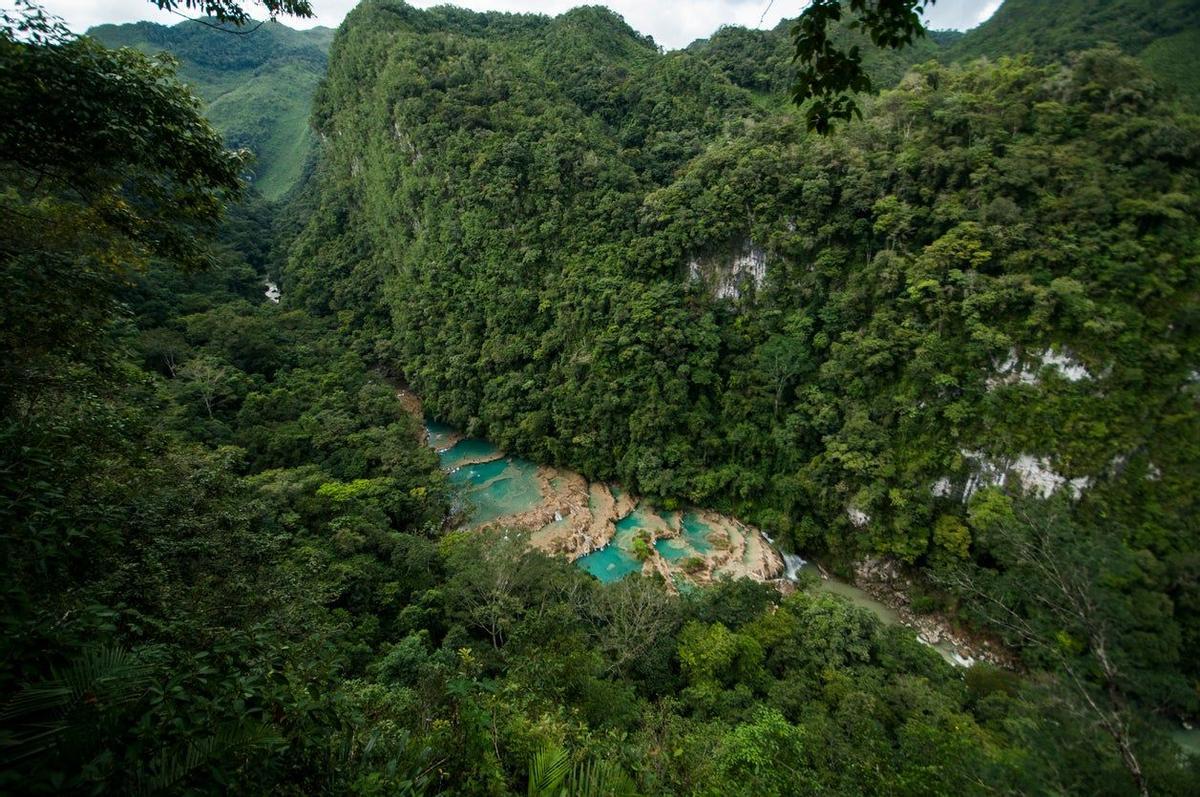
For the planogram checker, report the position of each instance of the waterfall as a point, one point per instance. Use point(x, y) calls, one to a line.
point(793, 564)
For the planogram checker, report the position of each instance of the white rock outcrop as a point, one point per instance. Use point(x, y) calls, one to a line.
point(1014, 371)
point(731, 277)
point(1035, 474)
point(858, 517)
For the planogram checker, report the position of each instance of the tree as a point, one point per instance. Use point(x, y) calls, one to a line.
point(492, 573)
point(1069, 596)
point(826, 73)
point(229, 11)
point(210, 378)
point(105, 163)
point(766, 756)
point(629, 618)
point(782, 359)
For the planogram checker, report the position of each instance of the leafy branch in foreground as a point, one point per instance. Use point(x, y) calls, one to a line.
point(106, 162)
point(228, 11)
point(827, 74)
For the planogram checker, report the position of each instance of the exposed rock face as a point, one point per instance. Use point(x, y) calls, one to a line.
point(858, 517)
point(1014, 369)
point(731, 275)
point(1034, 473)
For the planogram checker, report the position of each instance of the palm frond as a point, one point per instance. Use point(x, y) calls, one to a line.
point(551, 775)
point(596, 778)
point(171, 767)
point(547, 769)
point(106, 674)
point(40, 714)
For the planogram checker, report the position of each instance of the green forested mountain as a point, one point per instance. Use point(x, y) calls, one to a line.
point(1161, 33)
point(761, 60)
point(1054, 28)
point(599, 255)
point(257, 87)
point(582, 235)
point(959, 336)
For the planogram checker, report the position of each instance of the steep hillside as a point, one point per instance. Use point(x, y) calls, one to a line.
point(761, 60)
point(601, 256)
point(258, 87)
point(1159, 32)
point(952, 350)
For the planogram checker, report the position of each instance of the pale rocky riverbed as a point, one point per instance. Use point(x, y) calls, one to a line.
point(596, 525)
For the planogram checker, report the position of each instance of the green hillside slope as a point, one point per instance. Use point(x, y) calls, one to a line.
point(1053, 28)
point(602, 256)
point(1160, 32)
point(950, 352)
point(761, 60)
point(258, 87)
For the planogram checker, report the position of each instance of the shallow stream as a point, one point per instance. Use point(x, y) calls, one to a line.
point(495, 486)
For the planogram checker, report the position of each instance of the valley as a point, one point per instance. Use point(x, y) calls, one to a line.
point(476, 403)
point(599, 528)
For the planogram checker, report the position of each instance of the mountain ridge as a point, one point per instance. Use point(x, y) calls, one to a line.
point(1160, 33)
point(257, 87)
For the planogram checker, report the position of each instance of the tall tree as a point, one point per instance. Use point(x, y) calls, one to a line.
point(106, 162)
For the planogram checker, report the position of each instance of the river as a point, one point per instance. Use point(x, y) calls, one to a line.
point(599, 526)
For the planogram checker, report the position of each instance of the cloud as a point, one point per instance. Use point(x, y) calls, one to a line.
point(672, 24)
point(959, 14)
point(83, 14)
point(986, 10)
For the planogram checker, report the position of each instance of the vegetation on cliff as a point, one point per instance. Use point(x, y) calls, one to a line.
point(960, 333)
point(257, 86)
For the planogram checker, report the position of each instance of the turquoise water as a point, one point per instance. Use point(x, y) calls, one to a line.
point(494, 488)
point(640, 518)
point(696, 532)
point(611, 563)
point(692, 542)
point(616, 560)
point(470, 450)
point(674, 550)
point(498, 488)
point(438, 434)
point(508, 486)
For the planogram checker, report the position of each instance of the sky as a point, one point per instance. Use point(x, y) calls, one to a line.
point(672, 23)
